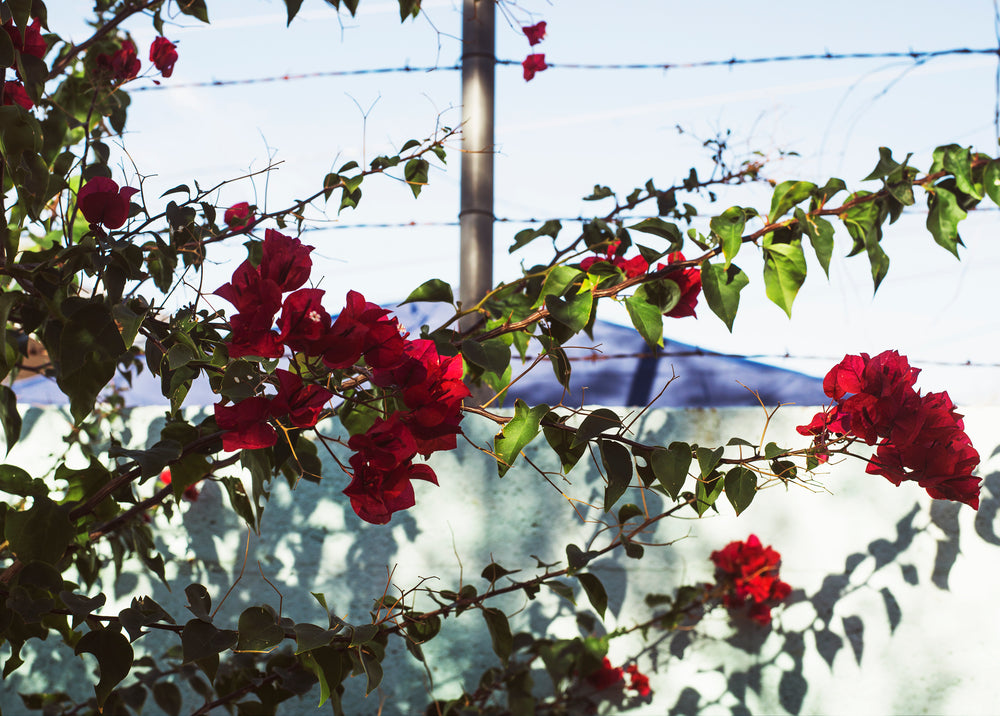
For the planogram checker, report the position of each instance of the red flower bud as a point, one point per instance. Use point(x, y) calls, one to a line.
point(102, 202)
point(163, 54)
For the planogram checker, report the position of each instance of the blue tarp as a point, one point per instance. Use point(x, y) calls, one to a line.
point(616, 367)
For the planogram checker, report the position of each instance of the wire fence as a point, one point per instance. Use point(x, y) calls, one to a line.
point(918, 57)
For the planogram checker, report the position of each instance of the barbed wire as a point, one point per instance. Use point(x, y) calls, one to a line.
point(914, 55)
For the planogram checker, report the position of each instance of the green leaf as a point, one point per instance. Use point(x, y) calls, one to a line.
point(784, 272)
point(114, 658)
point(491, 355)
point(958, 161)
point(562, 589)
point(201, 640)
point(991, 181)
point(330, 666)
point(664, 229)
point(595, 592)
point(500, 636)
point(577, 559)
point(729, 226)
point(40, 533)
point(557, 281)
point(741, 487)
point(434, 290)
point(517, 433)
point(707, 492)
point(786, 195)
point(574, 312)
point(526, 236)
point(194, 8)
point(722, 288)
point(708, 459)
point(258, 630)
point(670, 466)
point(886, 165)
point(943, 217)
point(647, 318)
point(16, 481)
point(151, 461)
point(618, 465)
point(561, 441)
point(199, 601)
point(415, 174)
point(372, 667)
point(88, 351)
point(599, 421)
point(167, 696)
point(6, 51)
point(820, 233)
point(628, 511)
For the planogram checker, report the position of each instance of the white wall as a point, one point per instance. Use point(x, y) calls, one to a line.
point(891, 613)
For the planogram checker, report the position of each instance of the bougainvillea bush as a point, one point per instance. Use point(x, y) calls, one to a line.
point(87, 259)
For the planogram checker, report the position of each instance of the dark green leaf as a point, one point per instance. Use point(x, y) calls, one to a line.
point(259, 630)
point(114, 658)
point(618, 465)
point(310, 636)
point(991, 180)
point(729, 226)
point(596, 423)
point(671, 466)
point(293, 9)
point(722, 288)
point(708, 459)
point(199, 601)
point(434, 290)
point(562, 589)
point(372, 667)
point(561, 441)
point(958, 161)
point(500, 636)
point(491, 355)
point(886, 165)
point(577, 558)
point(647, 318)
point(664, 229)
point(415, 173)
point(574, 312)
point(595, 592)
point(201, 640)
point(41, 532)
point(168, 697)
point(628, 511)
point(741, 486)
point(150, 461)
point(194, 8)
point(526, 236)
point(16, 481)
point(517, 433)
point(9, 417)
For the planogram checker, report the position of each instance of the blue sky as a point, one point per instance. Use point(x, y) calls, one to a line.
point(569, 129)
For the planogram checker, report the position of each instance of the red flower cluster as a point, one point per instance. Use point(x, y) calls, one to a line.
point(607, 676)
point(14, 93)
point(687, 280)
point(102, 202)
point(918, 437)
point(121, 65)
point(163, 55)
point(749, 571)
point(190, 492)
point(532, 64)
point(31, 42)
point(239, 216)
point(430, 385)
point(535, 33)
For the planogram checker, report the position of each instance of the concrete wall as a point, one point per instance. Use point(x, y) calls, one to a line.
point(891, 613)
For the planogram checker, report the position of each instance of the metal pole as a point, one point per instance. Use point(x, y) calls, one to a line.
point(476, 213)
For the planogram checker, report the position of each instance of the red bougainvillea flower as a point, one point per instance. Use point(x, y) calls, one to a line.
point(14, 93)
point(102, 202)
point(122, 65)
point(376, 494)
point(919, 438)
point(605, 676)
point(302, 403)
point(246, 424)
point(635, 266)
point(533, 64)
point(689, 282)
point(304, 323)
point(190, 492)
point(163, 54)
point(285, 261)
point(31, 43)
point(363, 329)
point(535, 33)
point(638, 682)
point(249, 292)
point(748, 571)
point(239, 216)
